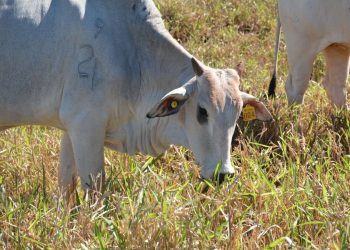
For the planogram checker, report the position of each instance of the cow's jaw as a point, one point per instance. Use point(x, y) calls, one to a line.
point(213, 152)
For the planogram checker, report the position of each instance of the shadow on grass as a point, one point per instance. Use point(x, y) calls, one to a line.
point(266, 133)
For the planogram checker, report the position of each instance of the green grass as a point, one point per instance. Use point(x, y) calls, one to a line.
point(291, 191)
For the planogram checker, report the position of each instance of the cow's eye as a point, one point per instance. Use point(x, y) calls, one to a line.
point(202, 115)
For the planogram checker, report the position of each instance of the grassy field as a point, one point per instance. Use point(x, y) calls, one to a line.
point(291, 190)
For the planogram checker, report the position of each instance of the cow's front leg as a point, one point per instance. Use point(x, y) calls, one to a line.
point(87, 137)
point(67, 169)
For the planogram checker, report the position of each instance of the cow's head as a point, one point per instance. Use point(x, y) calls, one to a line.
point(209, 106)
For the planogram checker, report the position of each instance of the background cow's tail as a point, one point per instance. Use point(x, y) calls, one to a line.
point(272, 86)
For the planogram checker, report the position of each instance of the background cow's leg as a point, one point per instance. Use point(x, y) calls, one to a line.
point(87, 139)
point(301, 54)
point(67, 169)
point(337, 72)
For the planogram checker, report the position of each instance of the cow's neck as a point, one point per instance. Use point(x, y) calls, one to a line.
point(166, 66)
point(162, 65)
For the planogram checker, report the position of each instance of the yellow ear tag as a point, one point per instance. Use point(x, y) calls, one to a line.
point(173, 104)
point(249, 113)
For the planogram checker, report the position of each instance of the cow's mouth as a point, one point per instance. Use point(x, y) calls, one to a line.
point(219, 179)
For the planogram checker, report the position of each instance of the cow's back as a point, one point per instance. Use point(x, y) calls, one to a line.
point(36, 45)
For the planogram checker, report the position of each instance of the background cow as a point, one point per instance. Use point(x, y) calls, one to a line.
point(312, 26)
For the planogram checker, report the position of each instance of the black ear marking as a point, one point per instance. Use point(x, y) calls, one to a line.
point(196, 67)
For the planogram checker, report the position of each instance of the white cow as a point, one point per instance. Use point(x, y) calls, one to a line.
point(312, 26)
point(94, 69)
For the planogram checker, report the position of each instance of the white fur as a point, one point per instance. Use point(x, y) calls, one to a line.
point(94, 69)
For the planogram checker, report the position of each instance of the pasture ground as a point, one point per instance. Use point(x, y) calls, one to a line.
point(290, 191)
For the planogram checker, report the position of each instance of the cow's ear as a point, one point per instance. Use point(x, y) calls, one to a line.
point(261, 112)
point(172, 102)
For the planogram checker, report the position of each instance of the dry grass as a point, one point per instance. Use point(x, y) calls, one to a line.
point(290, 191)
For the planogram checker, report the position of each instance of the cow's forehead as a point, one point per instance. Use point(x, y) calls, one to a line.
point(220, 85)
